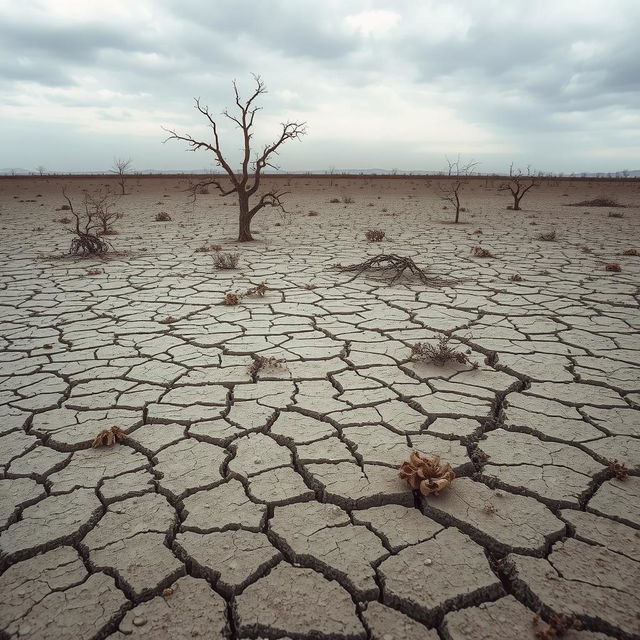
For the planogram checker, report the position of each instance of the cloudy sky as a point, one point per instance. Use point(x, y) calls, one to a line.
point(554, 84)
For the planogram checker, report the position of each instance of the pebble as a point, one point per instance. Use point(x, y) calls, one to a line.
point(139, 621)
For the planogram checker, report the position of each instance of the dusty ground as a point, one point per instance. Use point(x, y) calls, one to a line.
point(268, 505)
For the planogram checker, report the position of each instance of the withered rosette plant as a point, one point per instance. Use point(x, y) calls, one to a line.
point(427, 473)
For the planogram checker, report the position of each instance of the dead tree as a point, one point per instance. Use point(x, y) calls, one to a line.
point(246, 182)
point(452, 189)
point(86, 241)
point(41, 170)
point(518, 184)
point(121, 168)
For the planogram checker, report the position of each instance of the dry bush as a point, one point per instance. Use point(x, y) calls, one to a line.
point(516, 277)
point(261, 363)
point(313, 213)
point(550, 236)
point(225, 260)
point(612, 266)
point(630, 252)
point(232, 299)
point(439, 354)
point(596, 202)
point(615, 214)
point(87, 241)
point(163, 216)
point(394, 263)
point(375, 235)
point(208, 248)
point(335, 201)
point(480, 252)
point(617, 469)
point(347, 200)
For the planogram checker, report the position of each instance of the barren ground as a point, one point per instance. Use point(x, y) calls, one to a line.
point(268, 504)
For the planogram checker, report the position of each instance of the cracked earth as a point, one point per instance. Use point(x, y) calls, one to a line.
point(268, 505)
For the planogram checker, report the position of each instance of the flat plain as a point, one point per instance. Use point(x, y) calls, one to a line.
point(256, 494)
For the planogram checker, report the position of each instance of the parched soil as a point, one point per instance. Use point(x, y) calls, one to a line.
point(248, 484)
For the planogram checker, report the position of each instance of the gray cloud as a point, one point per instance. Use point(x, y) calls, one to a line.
point(419, 79)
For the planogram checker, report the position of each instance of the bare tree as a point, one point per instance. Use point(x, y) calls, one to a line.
point(519, 184)
point(246, 182)
point(121, 168)
point(41, 170)
point(452, 189)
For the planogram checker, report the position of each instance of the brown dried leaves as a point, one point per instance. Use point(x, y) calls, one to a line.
point(108, 437)
point(427, 473)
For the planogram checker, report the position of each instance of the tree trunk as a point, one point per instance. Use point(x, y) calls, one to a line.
point(244, 231)
point(516, 203)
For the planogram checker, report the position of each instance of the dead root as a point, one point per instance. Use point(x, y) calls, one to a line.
point(427, 473)
point(394, 263)
point(108, 437)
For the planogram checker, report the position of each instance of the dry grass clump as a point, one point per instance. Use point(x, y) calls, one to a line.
point(426, 473)
point(347, 200)
point(393, 263)
point(208, 248)
point(612, 266)
point(481, 252)
point(225, 260)
point(597, 202)
point(615, 214)
point(108, 437)
point(630, 252)
point(439, 354)
point(617, 469)
point(168, 320)
point(313, 213)
point(335, 201)
point(262, 363)
point(550, 236)
point(375, 235)
point(516, 277)
point(64, 220)
point(163, 216)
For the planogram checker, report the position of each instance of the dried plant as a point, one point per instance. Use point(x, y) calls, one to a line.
point(489, 509)
point(612, 266)
point(163, 216)
point(313, 213)
point(615, 214)
point(596, 202)
point(258, 290)
point(630, 252)
point(86, 242)
point(550, 236)
point(375, 235)
point(426, 473)
point(168, 320)
point(585, 250)
point(481, 252)
point(518, 185)
point(440, 354)
point(232, 299)
point(618, 470)
point(225, 260)
point(335, 201)
point(393, 262)
point(516, 277)
point(478, 232)
point(559, 624)
point(260, 363)
point(108, 437)
point(347, 200)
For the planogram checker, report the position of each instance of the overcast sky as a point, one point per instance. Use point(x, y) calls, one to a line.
point(554, 84)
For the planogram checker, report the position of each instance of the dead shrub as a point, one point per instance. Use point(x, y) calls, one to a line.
point(615, 214)
point(630, 252)
point(612, 266)
point(618, 470)
point(375, 235)
point(335, 201)
point(550, 236)
point(439, 354)
point(108, 437)
point(262, 363)
point(312, 213)
point(481, 252)
point(347, 200)
point(516, 277)
point(596, 202)
point(427, 473)
point(163, 216)
point(232, 299)
point(225, 260)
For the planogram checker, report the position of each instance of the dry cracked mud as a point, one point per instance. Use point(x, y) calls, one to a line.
point(266, 503)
